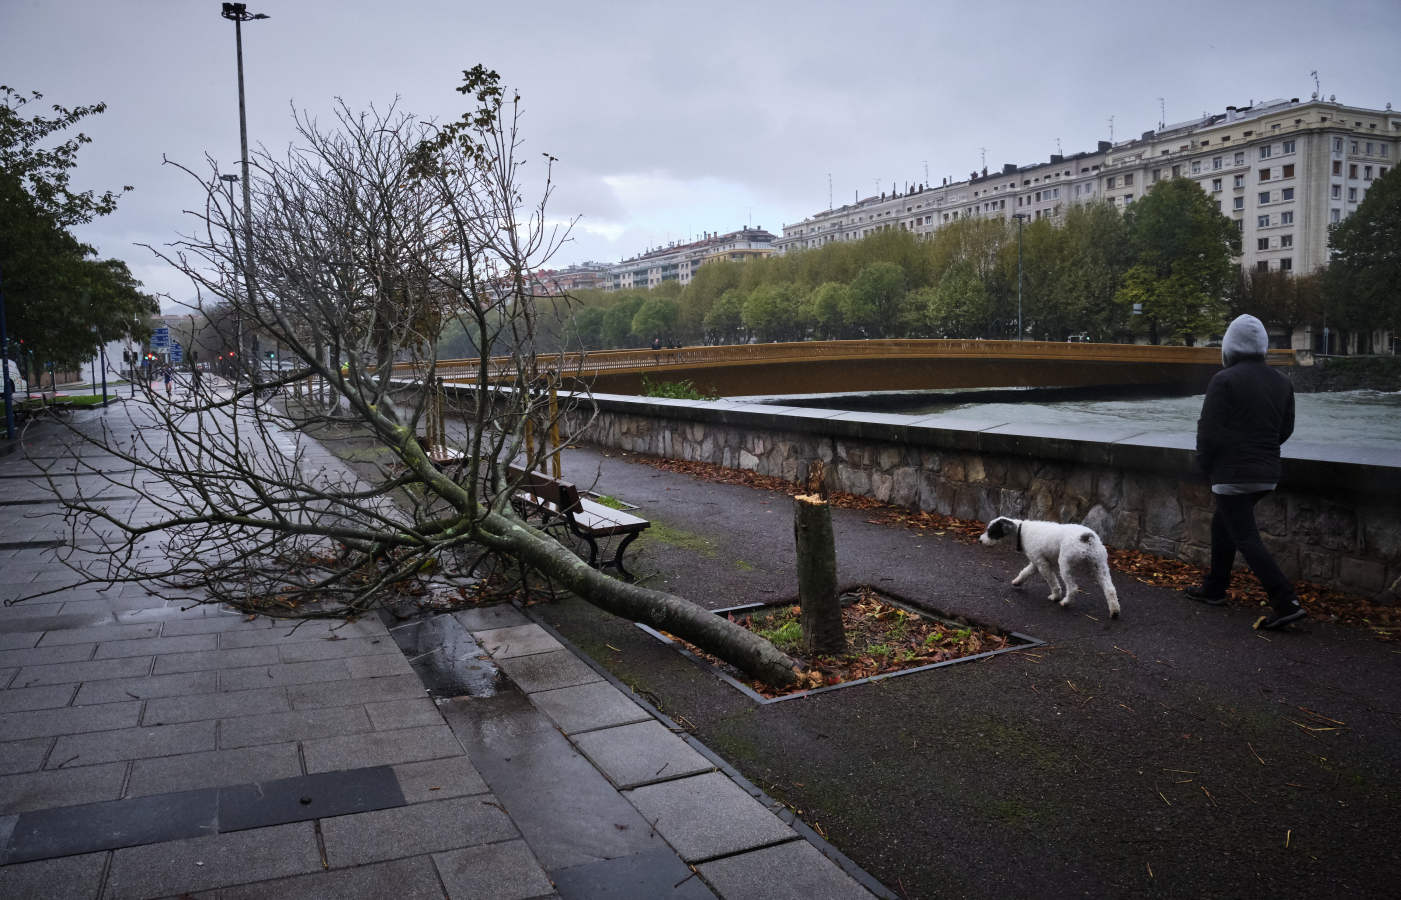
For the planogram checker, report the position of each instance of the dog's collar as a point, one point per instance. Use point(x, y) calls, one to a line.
point(1019, 537)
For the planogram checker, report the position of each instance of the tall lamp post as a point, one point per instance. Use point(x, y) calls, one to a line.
point(238, 14)
point(1020, 217)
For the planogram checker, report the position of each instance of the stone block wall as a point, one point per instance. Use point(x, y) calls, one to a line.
point(1136, 494)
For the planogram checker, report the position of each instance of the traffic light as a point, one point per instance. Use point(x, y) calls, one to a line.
point(272, 354)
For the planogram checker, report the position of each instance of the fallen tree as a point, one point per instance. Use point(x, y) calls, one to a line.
point(366, 241)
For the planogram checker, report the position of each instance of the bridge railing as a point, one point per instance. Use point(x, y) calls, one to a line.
point(647, 360)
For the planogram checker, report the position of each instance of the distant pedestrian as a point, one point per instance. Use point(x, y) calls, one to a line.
point(656, 343)
point(169, 374)
point(1247, 413)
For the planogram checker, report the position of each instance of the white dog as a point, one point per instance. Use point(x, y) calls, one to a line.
point(1054, 549)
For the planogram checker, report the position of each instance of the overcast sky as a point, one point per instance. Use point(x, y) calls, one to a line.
point(673, 119)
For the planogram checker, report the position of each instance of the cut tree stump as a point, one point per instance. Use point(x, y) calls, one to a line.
point(817, 575)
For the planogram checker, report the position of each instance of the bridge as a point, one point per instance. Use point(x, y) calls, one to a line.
point(808, 367)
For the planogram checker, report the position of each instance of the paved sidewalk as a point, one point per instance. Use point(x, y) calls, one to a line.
point(149, 749)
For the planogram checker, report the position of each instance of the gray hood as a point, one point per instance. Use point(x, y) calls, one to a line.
point(1245, 338)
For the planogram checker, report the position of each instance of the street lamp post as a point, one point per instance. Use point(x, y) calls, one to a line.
point(1020, 217)
point(238, 14)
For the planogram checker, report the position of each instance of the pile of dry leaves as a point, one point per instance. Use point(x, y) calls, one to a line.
point(1323, 603)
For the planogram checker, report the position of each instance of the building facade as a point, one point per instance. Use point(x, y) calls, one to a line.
point(679, 262)
point(1283, 170)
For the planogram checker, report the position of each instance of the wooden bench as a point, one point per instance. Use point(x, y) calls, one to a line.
point(560, 502)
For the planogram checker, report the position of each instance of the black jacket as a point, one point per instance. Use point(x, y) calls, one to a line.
point(1248, 412)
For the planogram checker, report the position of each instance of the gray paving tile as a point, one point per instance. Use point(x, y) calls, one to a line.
point(20, 640)
point(439, 779)
point(413, 878)
point(6, 676)
point(282, 674)
point(67, 673)
point(632, 755)
point(339, 648)
point(131, 743)
point(71, 876)
point(503, 615)
point(503, 871)
point(585, 707)
point(115, 690)
point(215, 623)
point(297, 725)
point(283, 633)
point(390, 714)
point(23, 756)
point(519, 640)
point(69, 720)
point(168, 710)
point(547, 671)
point(213, 768)
point(200, 864)
point(359, 690)
point(44, 697)
point(240, 658)
point(652, 874)
point(44, 656)
point(112, 632)
point(410, 830)
point(189, 643)
point(64, 787)
point(707, 816)
point(380, 748)
point(378, 666)
point(793, 870)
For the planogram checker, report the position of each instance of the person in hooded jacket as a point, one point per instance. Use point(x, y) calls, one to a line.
point(1247, 413)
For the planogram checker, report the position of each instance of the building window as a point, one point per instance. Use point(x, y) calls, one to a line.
point(1369, 148)
point(1337, 192)
point(1265, 151)
point(1366, 173)
point(1128, 180)
point(1286, 218)
point(1157, 175)
point(1286, 195)
point(1176, 171)
point(1216, 162)
point(1354, 146)
point(1239, 181)
point(1384, 149)
point(1240, 158)
point(1287, 171)
point(1263, 221)
point(1335, 216)
point(1128, 198)
point(1264, 174)
point(1352, 171)
point(1286, 241)
point(1286, 264)
point(1262, 266)
point(1337, 167)
point(1337, 145)
point(1262, 244)
point(1110, 184)
point(1239, 203)
point(1352, 195)
point(1288, 147)
point(1196, 166)
point(1215, 185)
point(1264, 197)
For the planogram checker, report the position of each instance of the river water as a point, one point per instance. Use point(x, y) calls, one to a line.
point(1360, 420)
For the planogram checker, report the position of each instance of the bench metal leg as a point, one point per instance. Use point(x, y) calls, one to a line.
point(617, 560)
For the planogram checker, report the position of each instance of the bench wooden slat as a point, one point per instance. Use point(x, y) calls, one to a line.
point(585, 518)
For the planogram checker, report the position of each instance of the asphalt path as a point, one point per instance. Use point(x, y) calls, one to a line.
point(1173, 751)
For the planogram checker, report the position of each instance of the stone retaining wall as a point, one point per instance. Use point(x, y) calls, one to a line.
point(1333, 522)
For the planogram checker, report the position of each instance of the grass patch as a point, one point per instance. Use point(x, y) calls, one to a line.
point(672, 390)
point(676, 537)
point(609, 501)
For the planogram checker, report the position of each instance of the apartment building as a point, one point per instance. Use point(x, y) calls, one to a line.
point(1283, 170)
point(679, 261)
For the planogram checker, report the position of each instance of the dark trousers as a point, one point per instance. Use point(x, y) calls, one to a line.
point(1233, 528)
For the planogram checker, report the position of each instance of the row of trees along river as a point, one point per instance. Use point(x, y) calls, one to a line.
point(1161, 270)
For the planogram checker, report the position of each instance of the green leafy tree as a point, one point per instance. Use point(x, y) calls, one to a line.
point(875, 297)
point(825, 305)
point(656, 318)
point(769, 312)
point(725, 318)
point(959, 307)
point(1361, 284)
point(617, 321)
point(1182, 248)
point(588, 325)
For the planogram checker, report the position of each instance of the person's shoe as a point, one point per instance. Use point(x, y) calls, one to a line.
point(1202, 595)
point(1281, 616)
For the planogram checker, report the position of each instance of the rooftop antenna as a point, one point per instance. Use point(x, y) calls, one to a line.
point(829, 191)
point(926, 173)
point(983, 151)
point(1316, 88)
point(1111, 129)
point(1162, 113)
point(1059, 151)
